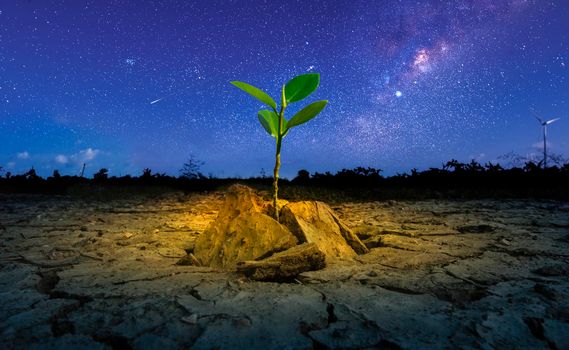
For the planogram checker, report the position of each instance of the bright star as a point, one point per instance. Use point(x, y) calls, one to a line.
point(398, 93)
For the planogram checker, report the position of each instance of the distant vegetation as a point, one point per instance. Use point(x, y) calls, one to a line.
point(453, 180)
point(190, 169)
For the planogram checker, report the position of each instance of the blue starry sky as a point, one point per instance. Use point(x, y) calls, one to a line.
point(132, 84)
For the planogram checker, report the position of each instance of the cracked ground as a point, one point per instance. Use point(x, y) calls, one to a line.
point(102, 274)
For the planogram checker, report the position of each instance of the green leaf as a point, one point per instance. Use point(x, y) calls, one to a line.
point(307, 113)
point(257, 93)
point(301, 86)
point(269, 120)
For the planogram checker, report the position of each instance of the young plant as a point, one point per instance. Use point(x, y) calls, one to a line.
point(274, 120)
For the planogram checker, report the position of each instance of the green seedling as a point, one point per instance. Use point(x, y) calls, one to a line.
point(274, 121)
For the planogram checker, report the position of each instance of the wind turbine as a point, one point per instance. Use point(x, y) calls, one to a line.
point(544, 124)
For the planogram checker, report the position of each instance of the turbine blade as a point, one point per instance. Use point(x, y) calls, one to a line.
point(536, 116)
point(551, 121)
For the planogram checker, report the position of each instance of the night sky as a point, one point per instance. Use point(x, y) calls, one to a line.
point(411, 84)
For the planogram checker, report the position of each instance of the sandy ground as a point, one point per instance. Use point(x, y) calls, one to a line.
point(446, 274)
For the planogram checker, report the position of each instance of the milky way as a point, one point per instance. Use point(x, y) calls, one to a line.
point(129, 85)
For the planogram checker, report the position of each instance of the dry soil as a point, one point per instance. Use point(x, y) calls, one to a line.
point(100, 274)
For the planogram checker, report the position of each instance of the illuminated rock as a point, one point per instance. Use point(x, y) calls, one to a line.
point(241, 231)
point(285, 265)
point(244, 232)
point(315, 222)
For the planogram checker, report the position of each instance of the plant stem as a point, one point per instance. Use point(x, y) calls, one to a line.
point(276, 178)
point(278, 155)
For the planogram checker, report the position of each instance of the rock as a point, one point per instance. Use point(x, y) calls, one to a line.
point(315, 222)
point(285, 265)
point(241, 231)
point(269, 209)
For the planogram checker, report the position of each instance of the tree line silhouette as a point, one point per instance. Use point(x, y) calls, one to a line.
point(452, 179)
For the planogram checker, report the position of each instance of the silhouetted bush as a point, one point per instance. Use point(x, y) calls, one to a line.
point(191, 169)
point(146, 173)
point(302, 177)
point(101, 175)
